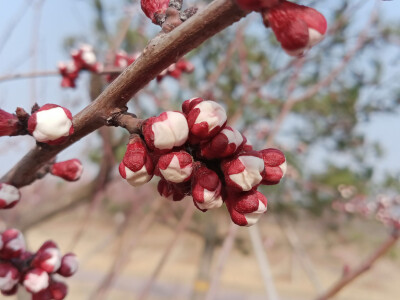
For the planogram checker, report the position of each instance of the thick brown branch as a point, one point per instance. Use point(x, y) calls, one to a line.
point(161, 52)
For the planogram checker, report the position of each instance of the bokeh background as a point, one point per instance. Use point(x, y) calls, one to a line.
point(335, 114)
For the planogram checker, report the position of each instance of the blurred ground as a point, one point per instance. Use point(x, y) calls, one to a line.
point(241, 278)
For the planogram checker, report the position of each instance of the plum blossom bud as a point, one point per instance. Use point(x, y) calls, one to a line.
point(297, 27)
point(42, 295)
point(275, 166)
point(168, 130)
point(176, 167)
point(51, 124)
point(70, 170)
point(246, 208)
point(151, 7)
point(48, 257)
point(206, 189)
point(171, 191)
point(85, 59)
point(69, 73)
point(9, 196)
point(256, 4)
point(13, 244)
point(9, 276)
point(11, 292)
point(69, 265)
point(58, 290)
point(224, 144)
point(36, 280)
point(9, 124)
point(206, 119)
point(244, 171)
point(137, 166)
point(185, 66)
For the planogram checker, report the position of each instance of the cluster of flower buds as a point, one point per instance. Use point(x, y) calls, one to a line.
point(197, 155)
point(384, 209)
point(51, 124)
point(82, 59)
point(296, 27)
point(34, 271)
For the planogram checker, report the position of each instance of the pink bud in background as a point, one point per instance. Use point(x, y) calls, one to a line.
point(13, 244)
point(171, 191)
point(85, 59)
point(69, 73)
point(185, 66)
point(70, 170)
point(275, 166)
point(151, 7)
point(48, 257)
point(244, 171)
point(36, 280)
point(137, 166)
point(9, 196)
point(256, 4)
point(9, 276)
point(297, 27)
point(58, 290)
point(176, 167)
point(51, 124)
point(69, 265)
point(9, 124)
point(224, 144)
point(168, 130)
point(206, 119)
point(246, 208)
point(206, 189)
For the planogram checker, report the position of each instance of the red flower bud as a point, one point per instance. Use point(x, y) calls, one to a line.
point(275, 166)
point(246, 208)
point(297, 27)
point(151, 7)
point(168, 130)
point(48, 257)
point(69, 265)
point(137, 166)
point(176, 167)
point(70, 170)
point(224, 144)
point(9, 276)
point(171, 191)
point(206, 189)
point(13, 244)
point(51, 124)
point(36, 280)
point(69, 73)
point(243, 172)
point(58, 290)
point(9, 124)
point(9, 196)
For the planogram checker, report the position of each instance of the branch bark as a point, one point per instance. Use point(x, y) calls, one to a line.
point(161, 52)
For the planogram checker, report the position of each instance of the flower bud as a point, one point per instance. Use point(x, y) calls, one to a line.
point(9, 124)
point(36, 280)
point(48, 257)
point(51, 124)
point(275, 166)
point(224, 144)
point(9, 196)
point(9, 276)
point(69, 265)
point(168, 130)
point(243, 172)
point(206, 189)
point(13, 244)
point(297, 27)
point(151, 7)
point(171, 191)
point(85, 59)
point(70, 170)
point(175, 167)
point(206, 119)
point(58, 290)
point(246, 208)
point(69, 73)
point(11, 292)
point(136, 166)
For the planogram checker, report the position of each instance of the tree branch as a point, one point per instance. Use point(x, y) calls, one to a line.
point(160, 53)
